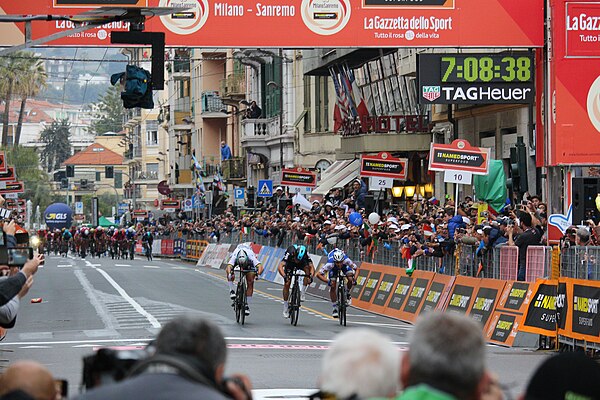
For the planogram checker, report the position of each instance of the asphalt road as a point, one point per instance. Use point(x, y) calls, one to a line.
point(102, 302)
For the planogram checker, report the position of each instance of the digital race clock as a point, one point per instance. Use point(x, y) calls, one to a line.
point(476, 78)
point(472, 68)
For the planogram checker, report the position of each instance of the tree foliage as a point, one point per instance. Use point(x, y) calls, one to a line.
point(108, 113)
point(57, 149)
point(32, 78)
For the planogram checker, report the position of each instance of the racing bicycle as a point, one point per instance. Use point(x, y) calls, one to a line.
point(342, 296)
point(148, 250)
point(241, 302)
point(294, 297)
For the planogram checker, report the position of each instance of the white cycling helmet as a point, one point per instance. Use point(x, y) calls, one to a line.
point(242, 258)
point(338, 256)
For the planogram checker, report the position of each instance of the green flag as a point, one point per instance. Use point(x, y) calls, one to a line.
point(491, 188)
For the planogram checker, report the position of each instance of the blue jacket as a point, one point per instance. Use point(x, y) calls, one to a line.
point(454, 223)
point(359, 197)
point(225, 152)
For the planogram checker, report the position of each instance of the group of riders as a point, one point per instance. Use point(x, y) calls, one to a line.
point(117, 243)
point(296, 258)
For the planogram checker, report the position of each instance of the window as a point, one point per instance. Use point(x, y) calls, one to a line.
point(152, 170)
point(151, 138)
point(118, 180)
point(98, 177)
point(322, 103)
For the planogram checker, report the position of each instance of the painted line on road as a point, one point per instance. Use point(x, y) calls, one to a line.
point(64, 266)
point(153, 321)
point(151, 266)
point(276, 347)
point(382, 325)
point(122, 265)
point(75, 342)
point(94, 301)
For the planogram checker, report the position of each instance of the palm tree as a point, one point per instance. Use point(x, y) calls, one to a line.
point(31, 80)
point(8, 71)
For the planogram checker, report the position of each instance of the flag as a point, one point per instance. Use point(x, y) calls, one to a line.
point(218, 180)
point(347, 93)
point(198, 175)
point(302, 202)
point(479, 269)
point(341, 110)
point(359, 100)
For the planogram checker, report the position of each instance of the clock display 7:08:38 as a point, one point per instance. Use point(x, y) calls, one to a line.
point(474, 68)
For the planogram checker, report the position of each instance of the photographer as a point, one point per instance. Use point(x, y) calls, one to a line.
point(188, 363)
point(8, 311)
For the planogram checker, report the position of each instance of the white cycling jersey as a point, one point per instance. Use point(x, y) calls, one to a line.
point(249, 252)
point(329, 266)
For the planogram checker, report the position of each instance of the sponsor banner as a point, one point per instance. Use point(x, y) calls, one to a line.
point(486, 298)
point(573, 122)
point(58, 216)
point(400, 294)
point(170, 205)
point(438, 293)
point(341, 23)
point(384, 278)
point(540, 317)
point(214, 255)
point(361, 279)
point(3, 165)
point(270, 258)
point(562, 306)
point(370, 287)
point(383, 165)
point(477, 78)
point(139, 214)
point(462, 294)
point(583, 320)
point(13, 187)
point(9, 175)
point(459, 156)
point(416, 295)
point(514, 297)
point(298, 177)
point(503, 328)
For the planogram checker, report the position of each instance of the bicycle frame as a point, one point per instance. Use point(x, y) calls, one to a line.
point(294, 296)
point(241, 300)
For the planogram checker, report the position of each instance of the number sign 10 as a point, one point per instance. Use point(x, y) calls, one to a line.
point(461, 177)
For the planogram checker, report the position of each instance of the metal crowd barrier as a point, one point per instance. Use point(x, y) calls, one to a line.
point(498, 263)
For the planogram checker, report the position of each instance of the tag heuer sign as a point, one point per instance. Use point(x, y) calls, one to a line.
point(13, 187)
point(431, 92)
point(459, 156)
point(383, 165)
point(298, 177)
point(140, 214)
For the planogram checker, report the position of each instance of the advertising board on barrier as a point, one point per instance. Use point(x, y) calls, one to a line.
point(339, 23)
point(503, 328)
point(461, 297)
point(361, 279)
point(400, 293)
point(486, 299)
point(540, 317)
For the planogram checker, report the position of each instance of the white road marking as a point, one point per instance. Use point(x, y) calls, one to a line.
point(89, 292)
point(64, 266)
point(151, 266)
point(153, 321)
point(122, 265)
point(183, 268)
point(76, 342)
point(393, 326)
point(35, 347)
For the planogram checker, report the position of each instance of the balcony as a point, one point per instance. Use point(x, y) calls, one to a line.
point(130, 193)
point(146, 176)
point(233, 88)
point(233, 169)
point(212, 105)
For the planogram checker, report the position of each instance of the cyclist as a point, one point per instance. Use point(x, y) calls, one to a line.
point(337, 260)
point(130, 235)
point(295, 257)
point(147, 240)
point(243, 256)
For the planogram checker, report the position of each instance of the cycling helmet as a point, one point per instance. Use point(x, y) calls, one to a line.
point(242, 258)
point(338, 256)
point(301, 252)
point(292, 251)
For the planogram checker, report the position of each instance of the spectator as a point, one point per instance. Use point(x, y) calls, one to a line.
point(225, 151)
point(565, 376)
point(189, 363)
point(359, 191)
point(454, 221)
point(27, 380)
point(253, 111)
point(445, 360)
point(361, 363)
point(529, 237)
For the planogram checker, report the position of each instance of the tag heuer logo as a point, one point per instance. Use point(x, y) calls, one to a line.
point(431, 92)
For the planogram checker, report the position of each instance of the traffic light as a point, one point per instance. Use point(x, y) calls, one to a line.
point(83, 184)
point(517, 183)
point(109, 172)
point(522, 162)
point(70, 171)
point(250, 197)
point(514, 181)
point(137, 87)
point(64, 183)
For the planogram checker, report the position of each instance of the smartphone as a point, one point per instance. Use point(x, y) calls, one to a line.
point(16, 257)
point(524, 203)
point(22, 238)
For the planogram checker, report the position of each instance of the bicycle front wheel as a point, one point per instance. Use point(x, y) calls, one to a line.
point(295, 303)
point(243, 301)
point(341, 301)
point(237, 304)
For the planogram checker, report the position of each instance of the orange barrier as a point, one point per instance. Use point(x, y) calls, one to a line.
point(540, 316)
point(419, 284)
point(486, 300)
point(438, 293)
point(461, 294)
point(578, 306)
point(507, 318)
point(195, 248)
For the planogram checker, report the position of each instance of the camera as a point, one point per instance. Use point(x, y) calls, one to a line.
point(109, 365)
point(15, 257)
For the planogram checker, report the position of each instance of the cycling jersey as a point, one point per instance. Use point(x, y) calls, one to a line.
point(249, 252)
point(293, 262)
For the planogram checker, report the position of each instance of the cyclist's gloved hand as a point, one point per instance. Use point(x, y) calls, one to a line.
point(329, 282)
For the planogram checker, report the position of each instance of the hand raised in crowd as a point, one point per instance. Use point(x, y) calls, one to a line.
point(31, 266)
point(10, 228)
point(2, 201)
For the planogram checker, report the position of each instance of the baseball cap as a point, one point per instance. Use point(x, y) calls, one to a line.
point(569, 375)
point(327, 222)
point(278, 188)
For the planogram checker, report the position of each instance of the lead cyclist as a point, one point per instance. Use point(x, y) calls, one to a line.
point(243, 257)
point(328, 273)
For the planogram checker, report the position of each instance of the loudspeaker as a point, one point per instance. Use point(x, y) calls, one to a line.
point(583, 198)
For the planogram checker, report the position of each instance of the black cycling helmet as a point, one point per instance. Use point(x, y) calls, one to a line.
point(301, 252)
point(292, 251)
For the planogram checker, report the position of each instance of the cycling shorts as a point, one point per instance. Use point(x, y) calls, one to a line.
point(333, 273)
